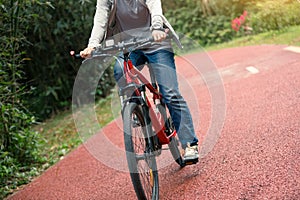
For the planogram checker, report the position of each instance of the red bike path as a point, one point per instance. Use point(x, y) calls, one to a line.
point(256, 154)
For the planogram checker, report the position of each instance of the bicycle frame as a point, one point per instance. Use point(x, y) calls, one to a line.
point(134, 76)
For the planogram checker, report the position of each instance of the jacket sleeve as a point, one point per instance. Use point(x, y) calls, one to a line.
point(158, 19)
point(156, 12)
point(100, 22)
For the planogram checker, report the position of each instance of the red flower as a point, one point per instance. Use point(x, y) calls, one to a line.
point(242, 19)
point(239, 21)
point(236, 24)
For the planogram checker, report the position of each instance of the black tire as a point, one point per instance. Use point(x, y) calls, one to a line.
point(140, 158)
point(176, 151)
point(174, 145)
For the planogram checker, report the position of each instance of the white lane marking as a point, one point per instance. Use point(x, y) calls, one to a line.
point(293, 49)
point(252, 70)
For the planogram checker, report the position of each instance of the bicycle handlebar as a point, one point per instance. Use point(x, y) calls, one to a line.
point(75, 55)
point(125, 46)
point(130, 46)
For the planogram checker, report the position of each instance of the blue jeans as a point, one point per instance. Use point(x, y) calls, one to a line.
point(163, 65)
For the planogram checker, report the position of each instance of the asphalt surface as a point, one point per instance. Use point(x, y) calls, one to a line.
point(248, 123)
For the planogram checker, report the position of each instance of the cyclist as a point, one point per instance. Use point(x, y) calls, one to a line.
point(146, 16)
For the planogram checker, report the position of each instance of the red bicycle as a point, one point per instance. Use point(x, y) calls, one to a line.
point(147, 125)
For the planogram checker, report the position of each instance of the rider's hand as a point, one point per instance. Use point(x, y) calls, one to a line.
point(159, 35)
point(87, 52)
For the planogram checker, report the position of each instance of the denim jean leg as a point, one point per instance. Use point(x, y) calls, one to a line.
point(118, 72)
point(163, 65)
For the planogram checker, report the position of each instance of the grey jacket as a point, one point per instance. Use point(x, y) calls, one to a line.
point(105, 22)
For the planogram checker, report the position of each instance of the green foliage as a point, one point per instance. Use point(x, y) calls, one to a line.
point(18, 143)
point(274, 15)
point(64, 26)
point(191, 21)
point(209, 22)
point(17, 138)
point(289, 36)
point(14, 174)
point(230, 8)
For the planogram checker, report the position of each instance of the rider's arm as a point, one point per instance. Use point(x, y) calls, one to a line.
point(156, 12)
point(99, 27)
point(158, 20)
point(100, 22)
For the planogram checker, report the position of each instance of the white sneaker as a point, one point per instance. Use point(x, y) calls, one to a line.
point(191, 155)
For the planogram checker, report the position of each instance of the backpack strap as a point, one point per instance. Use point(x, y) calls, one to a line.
point(143, 2)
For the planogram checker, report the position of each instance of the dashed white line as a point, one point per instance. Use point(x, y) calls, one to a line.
point(293, 49)
point(252, 70)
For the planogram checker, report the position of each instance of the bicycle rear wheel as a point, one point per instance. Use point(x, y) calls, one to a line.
point(140, 158)
point(176, 151)
point(174, 145)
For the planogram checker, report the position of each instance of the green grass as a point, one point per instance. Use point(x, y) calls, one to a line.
point(60, 134)
point(288, 36)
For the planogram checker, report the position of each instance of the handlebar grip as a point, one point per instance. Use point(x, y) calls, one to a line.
point(75, 55)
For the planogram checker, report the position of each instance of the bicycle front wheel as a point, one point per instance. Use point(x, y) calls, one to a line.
point(140, 158)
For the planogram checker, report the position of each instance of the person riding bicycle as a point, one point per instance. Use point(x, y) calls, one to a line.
point(113, 17)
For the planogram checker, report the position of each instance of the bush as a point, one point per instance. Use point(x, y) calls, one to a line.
point(207, 29)
point(211, 22)
point(274, 15)
point(230, 8)
point(18, 143)
point(17, 137)
point(57, 29)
